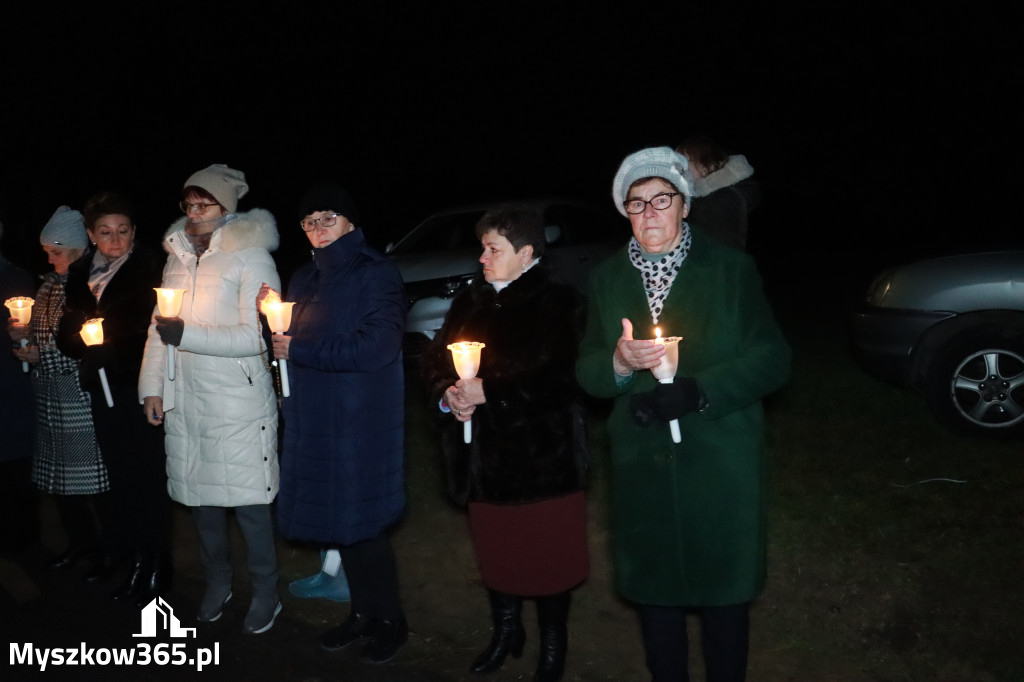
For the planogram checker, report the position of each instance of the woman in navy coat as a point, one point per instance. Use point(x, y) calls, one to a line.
point(342, 474)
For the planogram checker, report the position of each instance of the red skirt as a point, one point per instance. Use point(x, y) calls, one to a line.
point(531, 549)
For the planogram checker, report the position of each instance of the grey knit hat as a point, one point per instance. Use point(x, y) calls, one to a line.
point(653, 162)
point(225, 184)
point(66, 227)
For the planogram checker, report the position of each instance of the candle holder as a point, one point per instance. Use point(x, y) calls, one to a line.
point(466, 358)
point(665, 372)
point(168, 301)
point(21, 310)
point(92, 334)
point(279, 317)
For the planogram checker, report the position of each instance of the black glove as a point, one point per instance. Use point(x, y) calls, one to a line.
point(170, 329)
point(100, 355)
point(667, 401)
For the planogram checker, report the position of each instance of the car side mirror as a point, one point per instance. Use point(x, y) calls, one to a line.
point(552, 233)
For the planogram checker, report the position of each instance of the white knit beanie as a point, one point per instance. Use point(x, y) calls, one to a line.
point(225, 184)
point(653, 162)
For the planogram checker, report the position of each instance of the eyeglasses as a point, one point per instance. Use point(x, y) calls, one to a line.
point(187, 208)
point(659, 201)
point(327, 220)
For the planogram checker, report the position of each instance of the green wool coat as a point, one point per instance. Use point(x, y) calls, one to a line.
point(688, 519)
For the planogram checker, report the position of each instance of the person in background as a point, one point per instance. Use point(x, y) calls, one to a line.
point(725, 190)
point(343, 476)
point(114, 281)
point(220, 412)
point(522, 476)
point(687, 519)
point(19, 504)
point(67, 462)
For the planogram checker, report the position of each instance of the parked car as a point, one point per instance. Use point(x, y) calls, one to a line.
point(439, 257)
point(953, 328)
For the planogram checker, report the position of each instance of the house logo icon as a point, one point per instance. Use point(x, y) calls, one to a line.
point(158, 616)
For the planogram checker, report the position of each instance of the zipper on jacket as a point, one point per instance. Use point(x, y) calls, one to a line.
point(245, 372)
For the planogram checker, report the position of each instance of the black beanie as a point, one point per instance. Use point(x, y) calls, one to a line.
point(328, 196)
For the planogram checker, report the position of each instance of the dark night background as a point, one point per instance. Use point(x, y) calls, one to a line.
point(878, 133)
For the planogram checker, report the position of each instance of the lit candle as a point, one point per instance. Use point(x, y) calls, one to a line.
point(92, 334)
point(21, 311)
point(168, 301)
point(279, 317)
point(466, 358)
point(665, 372)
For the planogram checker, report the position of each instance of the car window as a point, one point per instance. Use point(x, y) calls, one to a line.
point(442, 233)
point(583, 225)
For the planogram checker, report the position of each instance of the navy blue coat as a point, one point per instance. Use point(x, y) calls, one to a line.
point(342, 460)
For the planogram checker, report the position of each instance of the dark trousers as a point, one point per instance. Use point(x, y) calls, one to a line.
point(19, 505)
point(79, 520)
point(137, 514)
point(372, 578)
point(725, 634)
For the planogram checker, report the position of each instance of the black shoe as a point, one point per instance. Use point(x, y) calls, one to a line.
point(552, 616)
point(388, 638)
point(156, 582)
point(508, 636)
point(355, 628)
point(132, 584)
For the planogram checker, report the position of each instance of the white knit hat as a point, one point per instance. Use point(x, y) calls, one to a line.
point(225, 184)
point(66, 227)
point(653, 162)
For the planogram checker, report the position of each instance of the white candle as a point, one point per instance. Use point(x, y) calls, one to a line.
point(665, 372)
point(92, 334)
point(168, 301)
point(466, 358)
point(21, 310)
point(279, 317)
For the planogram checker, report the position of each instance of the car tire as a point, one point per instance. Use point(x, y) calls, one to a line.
point(975, 381)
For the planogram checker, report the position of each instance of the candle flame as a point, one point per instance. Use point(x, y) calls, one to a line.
point(657, 332)
point(272, 299)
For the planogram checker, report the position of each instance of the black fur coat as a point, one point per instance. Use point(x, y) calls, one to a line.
point(529, 438)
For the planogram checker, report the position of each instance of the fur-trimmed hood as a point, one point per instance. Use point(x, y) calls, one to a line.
point(253, 229)
point(735, 170)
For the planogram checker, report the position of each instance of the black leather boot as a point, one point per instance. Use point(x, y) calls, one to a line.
point(508, 635)
point(157, 581)
point(129, 589)
point(553, 618)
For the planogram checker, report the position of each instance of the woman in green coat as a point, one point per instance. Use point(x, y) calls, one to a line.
point(687, 517)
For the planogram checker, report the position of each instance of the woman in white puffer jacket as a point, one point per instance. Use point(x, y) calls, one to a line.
point(220, 410)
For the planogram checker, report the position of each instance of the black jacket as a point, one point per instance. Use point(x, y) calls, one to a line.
point(126, 307)
point(529, 438)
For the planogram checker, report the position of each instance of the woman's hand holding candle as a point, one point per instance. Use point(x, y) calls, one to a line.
point(281, 344)
point(632, 355)
point(464, 396)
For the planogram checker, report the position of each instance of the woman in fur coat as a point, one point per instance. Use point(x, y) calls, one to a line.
point(220, 410)
point(523, 473)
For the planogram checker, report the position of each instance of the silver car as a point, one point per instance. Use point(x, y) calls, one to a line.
point(953, 328)
point(439, 257)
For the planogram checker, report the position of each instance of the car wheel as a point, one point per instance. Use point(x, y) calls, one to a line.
point(975, 382)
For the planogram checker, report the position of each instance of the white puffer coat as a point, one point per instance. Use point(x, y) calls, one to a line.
point(221, 409)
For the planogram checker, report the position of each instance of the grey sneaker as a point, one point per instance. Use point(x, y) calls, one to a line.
point(212, 606)
point(261, 616)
